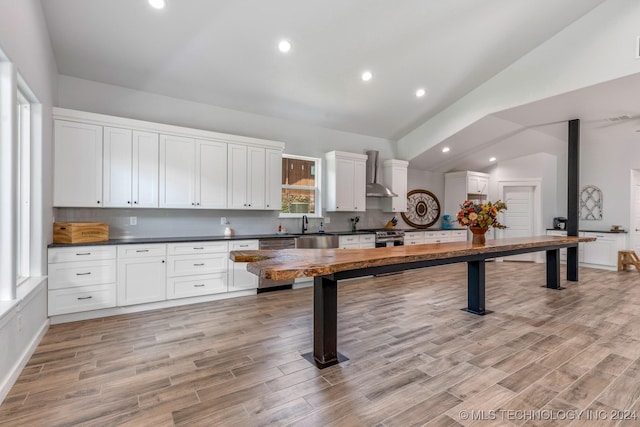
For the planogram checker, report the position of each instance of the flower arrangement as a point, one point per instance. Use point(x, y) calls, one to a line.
point(481, 215)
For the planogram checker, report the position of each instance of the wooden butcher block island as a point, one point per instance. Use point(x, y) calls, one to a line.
point(328, 266)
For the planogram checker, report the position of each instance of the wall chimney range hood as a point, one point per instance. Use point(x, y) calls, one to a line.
point(373, 188)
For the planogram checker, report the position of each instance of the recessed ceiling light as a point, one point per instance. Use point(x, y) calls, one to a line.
point(284, 46)
point(366, 76)
point(492, 159)
point(445, 149)
point(420, 93)
point(158, 4)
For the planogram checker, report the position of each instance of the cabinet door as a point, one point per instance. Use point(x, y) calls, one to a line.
point(145, 170)
point(603, 251)
point(345, 181)
point(237, 184)
point(239, 277)
point(141, 280)
point(117, 164)
point(359, 186)
point(177, 172)
point(211, 167)
point(274, 180)
point(397, 177)
point(77, 166)
point(256, 178)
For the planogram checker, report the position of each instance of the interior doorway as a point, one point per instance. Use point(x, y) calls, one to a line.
point(634, 223)
point(523, 216)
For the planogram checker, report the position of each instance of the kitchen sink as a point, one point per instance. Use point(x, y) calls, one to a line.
point(317, 241)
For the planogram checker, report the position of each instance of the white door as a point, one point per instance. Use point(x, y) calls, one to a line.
point(635, 224)
point(518, 217)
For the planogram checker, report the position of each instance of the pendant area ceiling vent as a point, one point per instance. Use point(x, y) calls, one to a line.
point(373, 188)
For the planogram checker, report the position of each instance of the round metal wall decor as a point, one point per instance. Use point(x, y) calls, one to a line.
point(423, 209)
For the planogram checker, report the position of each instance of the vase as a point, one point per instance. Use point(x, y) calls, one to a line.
point(478, 235)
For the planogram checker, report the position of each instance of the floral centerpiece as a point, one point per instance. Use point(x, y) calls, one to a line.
point(479, 217)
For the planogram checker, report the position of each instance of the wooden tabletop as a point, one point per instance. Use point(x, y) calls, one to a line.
point(292, 263)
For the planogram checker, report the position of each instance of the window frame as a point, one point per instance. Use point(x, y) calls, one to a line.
point(317, 188)
point(23, 261)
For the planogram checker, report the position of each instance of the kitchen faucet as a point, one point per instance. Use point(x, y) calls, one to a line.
point(305, 222)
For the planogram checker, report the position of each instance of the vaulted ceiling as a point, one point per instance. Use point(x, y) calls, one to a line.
point(224, 53)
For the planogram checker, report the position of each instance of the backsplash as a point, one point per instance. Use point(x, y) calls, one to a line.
point(188, 222)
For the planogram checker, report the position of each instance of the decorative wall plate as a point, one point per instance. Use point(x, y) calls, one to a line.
point(423, 209)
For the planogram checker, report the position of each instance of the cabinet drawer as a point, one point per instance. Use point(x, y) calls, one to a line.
point(186, 265)
point(83, 298)
point(411, 242)
point(181, 287)
point(345, 240)
point(72, 274)
point(81, 253)
point(240, 245)
point(458, 235)
point(368, 238)
point(196, 248)
point(413, 235)
point(138, 251)
point(436, 236)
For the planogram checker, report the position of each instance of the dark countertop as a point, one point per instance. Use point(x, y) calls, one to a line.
point(148, 240)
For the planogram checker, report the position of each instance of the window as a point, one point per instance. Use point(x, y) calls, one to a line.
point(24, 186)
point(300, 186)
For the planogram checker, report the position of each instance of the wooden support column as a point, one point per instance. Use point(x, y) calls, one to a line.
point(573, 194)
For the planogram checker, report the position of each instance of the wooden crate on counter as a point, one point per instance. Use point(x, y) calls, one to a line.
point(80, 232)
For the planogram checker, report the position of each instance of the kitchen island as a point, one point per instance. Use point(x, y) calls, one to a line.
point(328, 266)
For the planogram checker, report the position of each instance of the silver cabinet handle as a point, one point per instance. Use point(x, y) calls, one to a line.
point(198, 265)
point(142, 250)
point(84, 253)
point(198, 286)
point(81, 298)
point(83, 274)
point(198, 249)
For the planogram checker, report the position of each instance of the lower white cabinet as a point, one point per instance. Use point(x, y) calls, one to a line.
point(357, 241)
point(196, 268)
point(81, 279)
point(603, 253)
point(436, 236)
point(141, 274)
point(239, 277)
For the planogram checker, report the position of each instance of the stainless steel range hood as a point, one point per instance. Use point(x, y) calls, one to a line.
point(374, 189)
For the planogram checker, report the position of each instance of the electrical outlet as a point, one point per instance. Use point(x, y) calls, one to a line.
point(133, 220)
point(327, 220)
point(223, 220)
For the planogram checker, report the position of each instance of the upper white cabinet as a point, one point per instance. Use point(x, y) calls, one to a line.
point(394, 174)
point(193, 173)
point(117, 162)
point(77, 166)
point(130, 168)
point(461, 186)
point(346, 181)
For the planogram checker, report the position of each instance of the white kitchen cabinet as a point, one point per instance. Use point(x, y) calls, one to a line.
point(193, 173)
point(414, 238)
point(357, 241)
point(130, 168)
point(196, 268)
point(440, 236)
point(603, 252)
point(273, 197)
point(462, 186)
point(394, 175)
point(346, 181)
point(81, 279)
point(247, 177)
point(77, 165)
point(141, 274)
point(458, 235)
point(239, 277)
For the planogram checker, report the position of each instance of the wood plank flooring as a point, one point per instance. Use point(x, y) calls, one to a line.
point(540, 358)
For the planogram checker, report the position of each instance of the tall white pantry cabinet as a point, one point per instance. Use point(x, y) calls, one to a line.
point(106, 161)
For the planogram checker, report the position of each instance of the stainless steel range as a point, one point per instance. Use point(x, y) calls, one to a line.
point(386, 237)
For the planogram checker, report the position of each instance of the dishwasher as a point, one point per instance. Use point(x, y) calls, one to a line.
point(265, 285)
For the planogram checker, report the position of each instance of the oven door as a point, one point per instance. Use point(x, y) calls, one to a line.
point(389, 243)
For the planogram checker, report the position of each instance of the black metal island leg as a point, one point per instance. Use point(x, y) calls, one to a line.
point(325, 324)
point(475, 288)
point(553, 269)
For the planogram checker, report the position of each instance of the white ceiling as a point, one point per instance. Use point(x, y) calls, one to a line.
point(224, 53)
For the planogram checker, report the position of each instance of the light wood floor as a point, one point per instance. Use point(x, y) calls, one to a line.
point(415, 358)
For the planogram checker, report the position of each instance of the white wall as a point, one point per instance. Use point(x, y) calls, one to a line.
point(25, 41)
